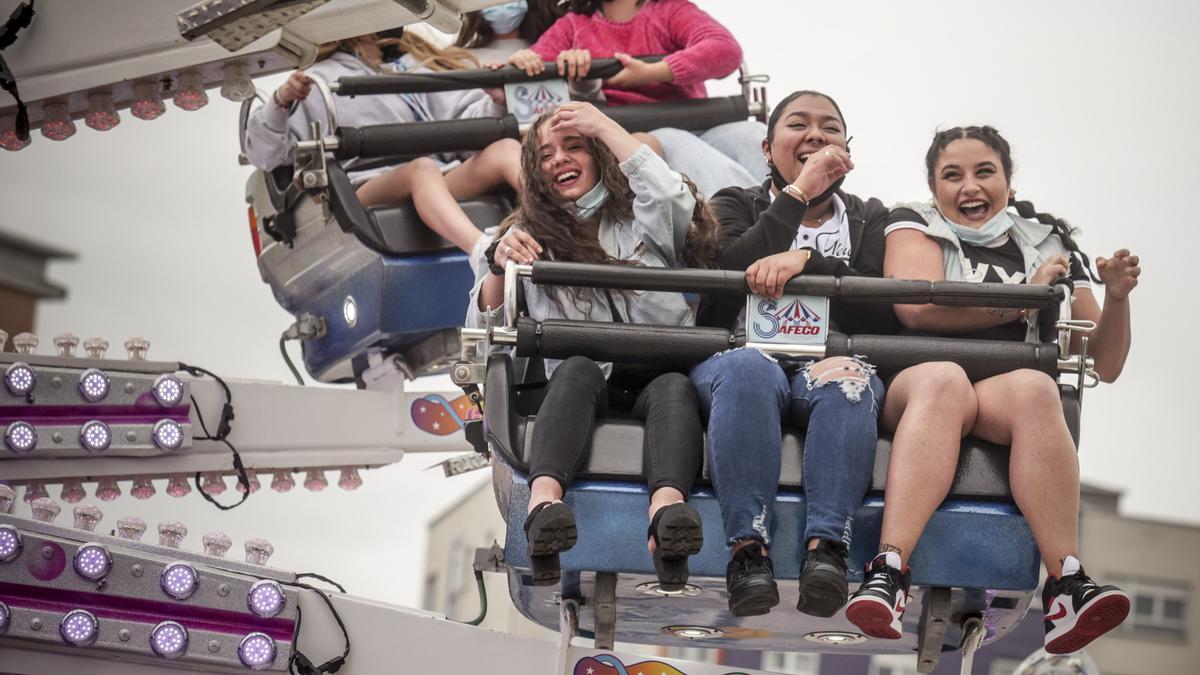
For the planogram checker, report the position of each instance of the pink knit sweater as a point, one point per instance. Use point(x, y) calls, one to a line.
point(697, 47)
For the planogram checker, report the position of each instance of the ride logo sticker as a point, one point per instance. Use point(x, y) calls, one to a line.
point(792, 319)
point(528, 100)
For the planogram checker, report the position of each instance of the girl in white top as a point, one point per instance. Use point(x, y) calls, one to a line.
point(434, 184)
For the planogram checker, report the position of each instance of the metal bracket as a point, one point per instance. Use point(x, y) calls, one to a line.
point(604, 609)
point(931, 631)
point(568, 628)
point(472, 461)
point(973, 634)
point(489, 559)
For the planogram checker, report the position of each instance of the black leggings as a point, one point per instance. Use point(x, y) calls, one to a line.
point(578, 392)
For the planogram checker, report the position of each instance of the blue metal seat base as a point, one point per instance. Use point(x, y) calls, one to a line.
point(982, 550)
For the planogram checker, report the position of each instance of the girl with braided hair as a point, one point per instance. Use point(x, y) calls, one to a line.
point(593, 193)
point(968, 233)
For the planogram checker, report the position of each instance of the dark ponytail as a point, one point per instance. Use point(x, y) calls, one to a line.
point(992, 138)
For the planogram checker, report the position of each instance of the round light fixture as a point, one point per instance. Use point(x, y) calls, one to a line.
point(653, 588)
point(92, 562)
point(257, 651)
point(167, 434)
point(169, 640)
point(20, 437)
point(95, 436)
point(693, 632)
point(266, 598)
point(835, 638)
point(19, 378)
point(79, 628)
point(94, 385)
point(10, 543)
point(168, 390)
point(180, 580)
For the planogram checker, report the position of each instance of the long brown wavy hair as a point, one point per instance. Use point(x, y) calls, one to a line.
point(371, 50)
point(552, 220)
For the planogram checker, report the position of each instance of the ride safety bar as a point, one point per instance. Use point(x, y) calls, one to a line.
point(410, 139)
point(683, 346)
point(475, 78)
point(850, 289)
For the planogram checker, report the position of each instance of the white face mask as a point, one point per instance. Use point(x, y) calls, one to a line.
point(587, 205)
point(997, 226)
point(505, 18)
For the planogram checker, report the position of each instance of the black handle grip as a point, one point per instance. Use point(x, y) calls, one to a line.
point(475, 78)
point(423, 138)
point(981, 359)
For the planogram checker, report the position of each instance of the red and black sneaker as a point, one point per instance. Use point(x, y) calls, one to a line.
point(877, 605)
point(1078, 611)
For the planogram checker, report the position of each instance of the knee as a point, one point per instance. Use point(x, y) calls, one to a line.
point(1032, 391)
point(423, 166)
point(749, 370)
point(851, 375)
point(581, 371)
point(674, 387)
point(503, 150)
point(942, 382)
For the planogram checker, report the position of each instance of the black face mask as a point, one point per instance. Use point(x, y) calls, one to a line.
point(779, 183)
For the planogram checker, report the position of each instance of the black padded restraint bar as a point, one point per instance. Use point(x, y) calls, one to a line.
point(475, 78)
point(852, 289)
point(413, 139)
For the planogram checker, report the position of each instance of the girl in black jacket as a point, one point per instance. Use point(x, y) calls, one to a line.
point(797, 222)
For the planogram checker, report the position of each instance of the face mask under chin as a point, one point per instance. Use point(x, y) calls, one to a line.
point(779, 183)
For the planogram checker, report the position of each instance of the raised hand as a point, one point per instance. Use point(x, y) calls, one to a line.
point(584, 118)
point(296, 88)
point(767, 276)
point(823, 168)
point(1119, 273)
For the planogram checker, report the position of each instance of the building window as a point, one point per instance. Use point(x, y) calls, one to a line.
point(1159, 609)
point(695, 654)
point(894, 665)
point(791, 663)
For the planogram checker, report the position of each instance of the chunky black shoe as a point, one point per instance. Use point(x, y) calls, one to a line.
point(823, 586)
point(750, 581)
point(549, 529)
point(677, 533)
point(1077, 611)
point(879, 603)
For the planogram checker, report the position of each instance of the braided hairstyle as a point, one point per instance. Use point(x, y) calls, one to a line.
point(992, 138)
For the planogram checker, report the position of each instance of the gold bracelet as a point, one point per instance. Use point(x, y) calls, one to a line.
point(796, 193)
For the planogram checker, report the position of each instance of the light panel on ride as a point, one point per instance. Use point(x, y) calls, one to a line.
point(65, 406)
point(67, 589)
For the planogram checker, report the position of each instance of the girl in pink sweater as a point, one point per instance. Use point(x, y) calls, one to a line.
point(697, 48)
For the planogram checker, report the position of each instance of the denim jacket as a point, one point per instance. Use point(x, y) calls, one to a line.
point(662, 216)
point(1037, 242)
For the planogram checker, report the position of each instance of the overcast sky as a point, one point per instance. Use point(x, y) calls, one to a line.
point(1097, 98)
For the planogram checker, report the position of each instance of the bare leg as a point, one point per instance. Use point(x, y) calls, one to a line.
point(651, 141)
point(438, 208)
point(1023, 409)
point(931, 407)
point(495, 165)
point(393, 187)
point(544, 489)
point(664, 496)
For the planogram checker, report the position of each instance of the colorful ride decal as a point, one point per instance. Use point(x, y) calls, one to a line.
point(792, 319)
point(433, 414)
point(600, 663)
point(528, 100)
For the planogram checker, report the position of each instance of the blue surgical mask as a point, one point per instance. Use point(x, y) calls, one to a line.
point(997, 226)
point(505, 18)
point(587, 205)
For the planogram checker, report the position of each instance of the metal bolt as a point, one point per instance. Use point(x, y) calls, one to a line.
point(124, 635)
point(137, 570)
point(56, 382)
point(223, 590)
point(47, 552)
point(129, 388)
point(96, 347)
point(65, 344)
point(310, 180)
point(136, 348)
point(35, 623)
point(25, 343)
point(57, 437)
point(214, 646)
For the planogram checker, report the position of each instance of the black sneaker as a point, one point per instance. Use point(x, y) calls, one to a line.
point(823, 585)
point(750, 581)
point(1077, 611)
point(878, 604)
point(549, 529)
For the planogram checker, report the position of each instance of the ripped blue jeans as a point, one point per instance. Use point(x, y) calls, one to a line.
point(746, 398)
